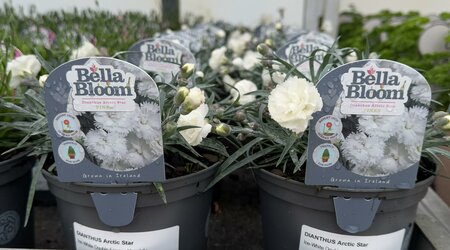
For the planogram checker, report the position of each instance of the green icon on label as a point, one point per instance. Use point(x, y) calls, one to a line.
point(71, 152)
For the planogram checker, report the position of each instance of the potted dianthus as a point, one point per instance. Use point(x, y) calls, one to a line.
point(276, 129)
point(17, 155)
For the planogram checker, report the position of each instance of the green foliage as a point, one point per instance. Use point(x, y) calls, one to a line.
point(396, 38)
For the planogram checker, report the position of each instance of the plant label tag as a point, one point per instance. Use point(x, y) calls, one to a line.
point(159, 56)
point(299, 50)
point(313, 239)
point(185, 39)
point(370, 131)
point(104, 122)
point(87, 238)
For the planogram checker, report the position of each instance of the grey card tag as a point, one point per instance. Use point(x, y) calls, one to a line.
point(298, 50)
point(370, 131)
point(104, 121)
point(159, 56)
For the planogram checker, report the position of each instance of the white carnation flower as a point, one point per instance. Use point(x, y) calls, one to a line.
point(413, 127)
point(194, 136)
point(86, 50)
point(362, 151)
point(217, 58)
point(382, 126)
point(228, 81)
point(293, 102)
point(23, 68)
point(276, 77)
point(147, 125)
point(242, 88)
point(351, 57)
point(421, 93)
point(250, 60)
point(238, 41)
point(42, 80)
point(106, 147)
point(238, 63)
point(116, 122)
point(195, 98)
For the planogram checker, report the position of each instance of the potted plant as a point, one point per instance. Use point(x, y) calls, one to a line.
point(18, 73)
point(276, 127)
point(177, 206)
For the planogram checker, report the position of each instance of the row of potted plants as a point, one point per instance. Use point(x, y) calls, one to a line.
point(246, 108)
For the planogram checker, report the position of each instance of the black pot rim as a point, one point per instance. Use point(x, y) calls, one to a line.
point(19, 157)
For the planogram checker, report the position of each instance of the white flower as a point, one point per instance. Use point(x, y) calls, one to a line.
point(327, 26)
point(351, 57)
point(106, 147)
point(276, 77)
point(238, 41)
point(413, 126)
point(228, 81)
point(362, 151)
point(243, 87)
point(293, 102)
point(421, 93)
point(148, 122)
point(220, 33)
point(251, 60)
point(23, 68)
point(397, 158)
point(146, 89)
point(382, 126)
point(117, 122)
point(199, 74)
point(195, 98)
point(42, 80)
point(194, 136)
point(373, 55)
point(217, 58)
point(86, 50)
point(238, 63)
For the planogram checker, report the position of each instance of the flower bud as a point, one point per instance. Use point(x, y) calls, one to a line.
point(199, 74)
point(193, 100)
point(241, 137)
point(438, 115)
point(443, 123)
point(220, 33)
point(240, 116)
point(42, 80)
point(170, 127)
point(180, 96)
point(222, 129)
point(269, 42)
point(264, 50)
point(279, 26)
point(187, 70)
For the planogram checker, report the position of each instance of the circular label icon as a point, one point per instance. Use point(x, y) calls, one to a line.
point(9, 226)
point(328, 127)
point(66, 125)
point(325, 155)
point(71, 152)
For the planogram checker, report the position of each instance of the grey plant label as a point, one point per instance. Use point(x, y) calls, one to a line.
point(104, 122)
point(298, 50)
point(159, 56)
point(370, 131)
point(9, 226)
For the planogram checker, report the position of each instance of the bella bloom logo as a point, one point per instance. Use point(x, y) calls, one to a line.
point(98, 87)
point(159, 55)
point(371, 90)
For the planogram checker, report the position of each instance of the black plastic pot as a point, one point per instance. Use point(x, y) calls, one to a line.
point(187, 210)
point(15, 179)
point(288, 206)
